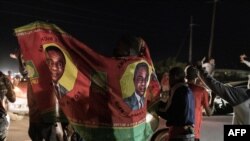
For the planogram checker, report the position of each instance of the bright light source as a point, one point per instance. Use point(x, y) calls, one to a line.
point(149, 117)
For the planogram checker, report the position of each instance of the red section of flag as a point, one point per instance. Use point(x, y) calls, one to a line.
point(94, 96)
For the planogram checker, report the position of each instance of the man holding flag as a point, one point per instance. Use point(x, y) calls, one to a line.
point(96, 85)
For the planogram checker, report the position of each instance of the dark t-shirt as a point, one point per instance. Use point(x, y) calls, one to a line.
point(181, 110)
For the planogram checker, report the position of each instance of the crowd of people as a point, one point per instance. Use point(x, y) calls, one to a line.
point(199, 77)
point(183, 96)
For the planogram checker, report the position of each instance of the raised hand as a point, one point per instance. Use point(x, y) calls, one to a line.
point(243, 57)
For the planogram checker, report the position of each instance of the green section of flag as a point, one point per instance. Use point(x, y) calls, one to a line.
point(141, 132)
point(50, 117)
point(32, 71)
point(36, 25)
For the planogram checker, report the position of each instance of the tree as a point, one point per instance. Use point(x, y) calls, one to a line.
point(163, 66)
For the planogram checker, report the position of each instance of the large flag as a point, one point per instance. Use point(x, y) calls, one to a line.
point(97, 89)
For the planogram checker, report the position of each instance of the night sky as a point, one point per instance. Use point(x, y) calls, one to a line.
point(165, 26)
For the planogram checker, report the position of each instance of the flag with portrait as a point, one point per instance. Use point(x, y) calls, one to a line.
point(95, 86)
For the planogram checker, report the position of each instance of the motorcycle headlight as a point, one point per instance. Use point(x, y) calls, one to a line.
point(153, 120)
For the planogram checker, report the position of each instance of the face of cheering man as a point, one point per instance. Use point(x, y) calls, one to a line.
point(56, 63)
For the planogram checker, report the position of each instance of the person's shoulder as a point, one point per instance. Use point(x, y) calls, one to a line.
point(131, 100)
point(195, 86)
point(182, 88)
point(202, 88)
point(199, 88)
point(183, 91)
point(2, 74)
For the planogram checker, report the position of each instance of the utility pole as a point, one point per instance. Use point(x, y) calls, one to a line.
point(190, 40)
point(212, 31)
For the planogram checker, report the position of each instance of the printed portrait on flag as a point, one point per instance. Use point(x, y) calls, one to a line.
point(94, 87)
point(135, 85)
point(60, 64)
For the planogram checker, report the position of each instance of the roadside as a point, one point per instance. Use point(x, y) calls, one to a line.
point(18, 130)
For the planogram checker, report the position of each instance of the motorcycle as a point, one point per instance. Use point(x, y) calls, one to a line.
point(157, 123)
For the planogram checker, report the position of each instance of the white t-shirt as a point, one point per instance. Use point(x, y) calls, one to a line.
point(242, 113)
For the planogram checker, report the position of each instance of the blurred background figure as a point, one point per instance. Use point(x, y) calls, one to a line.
point(127, 45)
point(6, 90)
point(210, 68)
point(201, 99)
point(16, 80)
point(209, 65)
point(19, 108)
point(181, 99)
point(10, 76)
point(237, 97)
point(244, 61)
point(165, 87)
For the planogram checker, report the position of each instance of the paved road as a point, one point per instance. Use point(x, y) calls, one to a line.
point(212, 129)
point(18, 130)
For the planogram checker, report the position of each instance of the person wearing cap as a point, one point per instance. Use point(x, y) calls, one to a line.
point(201, 99)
